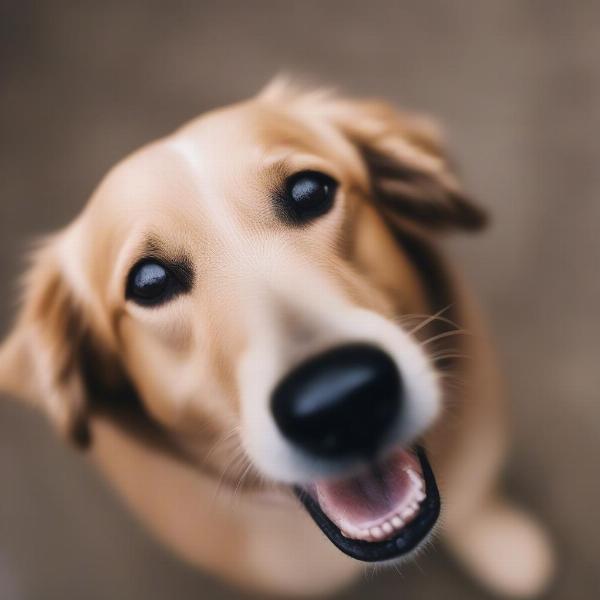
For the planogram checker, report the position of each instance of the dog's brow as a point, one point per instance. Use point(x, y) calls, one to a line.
point(177, 260)
point(154, 246)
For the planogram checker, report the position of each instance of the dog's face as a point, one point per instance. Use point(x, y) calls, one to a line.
point(243, 276)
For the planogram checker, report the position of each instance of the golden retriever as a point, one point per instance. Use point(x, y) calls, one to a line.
point(253, 333)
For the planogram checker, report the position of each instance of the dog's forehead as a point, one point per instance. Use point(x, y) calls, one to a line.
point(224, 146)
point(238, 131)
point(222, 162)
point(207, 182)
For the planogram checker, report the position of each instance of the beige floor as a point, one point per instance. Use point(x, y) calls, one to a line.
point(518, 85)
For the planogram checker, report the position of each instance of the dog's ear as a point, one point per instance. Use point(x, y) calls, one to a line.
point(41, 360)
point(411, 176)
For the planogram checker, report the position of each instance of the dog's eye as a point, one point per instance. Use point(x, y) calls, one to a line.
point(151, 283)
point(308, 195)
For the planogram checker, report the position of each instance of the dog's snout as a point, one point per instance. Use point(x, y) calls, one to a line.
point(340, 403)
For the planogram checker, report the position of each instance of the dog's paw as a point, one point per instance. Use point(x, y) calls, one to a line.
point(507, 550)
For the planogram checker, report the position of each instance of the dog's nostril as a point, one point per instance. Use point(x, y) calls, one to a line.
point(340, 403)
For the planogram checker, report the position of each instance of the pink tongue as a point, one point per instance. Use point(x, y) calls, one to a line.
point(372, 497)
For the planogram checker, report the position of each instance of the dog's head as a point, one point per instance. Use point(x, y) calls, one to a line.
point(244, 275)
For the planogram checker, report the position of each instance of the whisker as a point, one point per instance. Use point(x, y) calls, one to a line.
point(412, 316)
point(453, 386)
point(438, 357)
point(449, 378)
point(445, 334)
point(431, 318)
point(233, 463)
point(222, 440)
point(241, 479)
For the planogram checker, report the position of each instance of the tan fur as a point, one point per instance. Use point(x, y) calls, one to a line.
point(172, 468)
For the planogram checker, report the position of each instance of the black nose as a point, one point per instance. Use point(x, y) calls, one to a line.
point(340, 403)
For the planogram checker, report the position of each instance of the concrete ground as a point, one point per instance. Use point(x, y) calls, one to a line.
point(517, 84)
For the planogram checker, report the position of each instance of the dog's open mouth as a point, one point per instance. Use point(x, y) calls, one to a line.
point(379, 514)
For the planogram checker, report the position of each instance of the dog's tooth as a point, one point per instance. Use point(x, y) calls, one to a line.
point(376, 532)
point(420, 495)
point(387, 527)
point(397, 522)
point(351, 532)
point(356, 533)
point(415, 478)
point(407, 513)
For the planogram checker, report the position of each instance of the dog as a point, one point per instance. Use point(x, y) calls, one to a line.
point(253, 332)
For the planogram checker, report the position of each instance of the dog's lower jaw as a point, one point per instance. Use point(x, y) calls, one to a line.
point(382, 514)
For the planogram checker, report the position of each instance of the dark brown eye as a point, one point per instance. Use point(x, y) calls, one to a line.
point(151, 283)
point(307, 196)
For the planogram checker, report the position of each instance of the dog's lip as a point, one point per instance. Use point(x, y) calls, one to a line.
point(400, 541)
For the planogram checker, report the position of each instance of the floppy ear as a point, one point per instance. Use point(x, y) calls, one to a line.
point(411, 176)
point(40, 361)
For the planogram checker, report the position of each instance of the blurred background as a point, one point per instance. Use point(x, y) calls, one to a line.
point(517, 85)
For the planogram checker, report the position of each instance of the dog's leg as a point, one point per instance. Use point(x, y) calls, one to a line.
point(505, 548)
